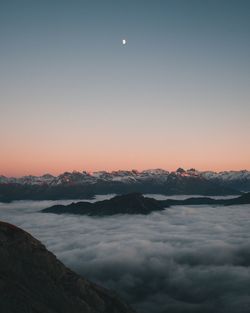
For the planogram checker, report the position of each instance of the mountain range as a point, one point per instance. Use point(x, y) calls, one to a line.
point(72, 185)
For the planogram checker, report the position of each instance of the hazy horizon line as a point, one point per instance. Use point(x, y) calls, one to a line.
point(90, 172)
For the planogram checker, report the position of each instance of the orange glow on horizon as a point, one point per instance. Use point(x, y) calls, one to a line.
point(112, 150)
point(57, 170)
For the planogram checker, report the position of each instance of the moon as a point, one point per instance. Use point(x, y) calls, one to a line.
point(124, 42)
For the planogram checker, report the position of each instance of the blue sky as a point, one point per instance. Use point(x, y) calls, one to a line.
point(176, 95)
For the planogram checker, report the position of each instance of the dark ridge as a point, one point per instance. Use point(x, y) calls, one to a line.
point(243, 199)
point(136, 203)
point(133, 203)
point(32, 279)
point(13, 191)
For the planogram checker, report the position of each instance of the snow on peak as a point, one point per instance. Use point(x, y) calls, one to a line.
point(158, 175)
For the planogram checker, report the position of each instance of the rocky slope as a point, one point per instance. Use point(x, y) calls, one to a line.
point(32, 280)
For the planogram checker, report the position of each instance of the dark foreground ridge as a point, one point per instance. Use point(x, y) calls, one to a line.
point(32, 279)
point(136, 203)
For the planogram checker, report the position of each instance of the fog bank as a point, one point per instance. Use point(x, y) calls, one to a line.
point(184, 259)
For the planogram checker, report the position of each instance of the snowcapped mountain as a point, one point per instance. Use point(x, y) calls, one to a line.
point(152, 175)
point(239, 180)
point(81, 185)
point(227, 175)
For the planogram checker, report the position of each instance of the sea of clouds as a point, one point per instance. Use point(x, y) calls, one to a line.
point(184, 259)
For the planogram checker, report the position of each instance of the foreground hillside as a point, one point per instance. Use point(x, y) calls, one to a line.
point(32, 279)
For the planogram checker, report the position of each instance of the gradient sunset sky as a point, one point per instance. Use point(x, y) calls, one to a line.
point(72, 97)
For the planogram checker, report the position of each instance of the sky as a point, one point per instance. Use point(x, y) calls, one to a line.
point(72, 97)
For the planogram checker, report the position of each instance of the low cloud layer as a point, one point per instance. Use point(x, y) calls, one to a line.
point(185, 259)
